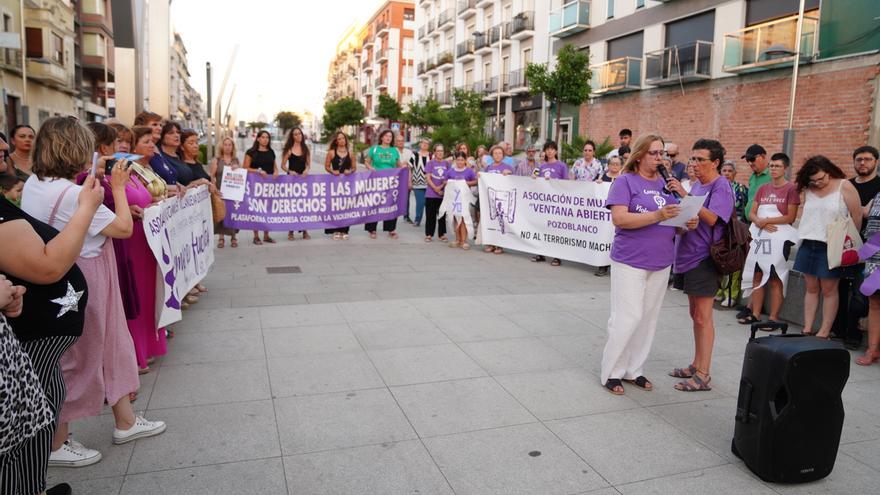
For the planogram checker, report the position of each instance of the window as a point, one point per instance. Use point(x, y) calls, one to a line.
point(409, 14)
point(57, 49)
point(94, 7)
point(468, 79)
point(758, 11)
point(93, 45)
point(700, 27)
point(526, 57)
point(626, 46)
point(34, 42)
point(610, 9)
point(640, 4)
point(8, 55)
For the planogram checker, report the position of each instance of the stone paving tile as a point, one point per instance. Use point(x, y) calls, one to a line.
point(398, 333)
point(409, 365)
point(524, 459)
point(219, 320)
point(234, 478)
point(307, 340)
point(97, 433)
point(500, 357)
point(192, 348)
point(849, 476)
point(478, 328)
point(396, 467)
point(210, 383)
point(721, 480)
point(323, 373)
point(99, 486)
point(303, 315)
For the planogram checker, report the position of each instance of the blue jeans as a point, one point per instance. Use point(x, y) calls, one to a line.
point(420, 204)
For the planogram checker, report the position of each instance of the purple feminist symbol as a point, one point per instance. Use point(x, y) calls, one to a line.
point(173, 302)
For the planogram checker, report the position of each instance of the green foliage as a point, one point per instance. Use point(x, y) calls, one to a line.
point(203, 153)
point(567, 83)
point(287, 120)
point(424, 114)
point(340, 113)
point(257, 125)
point(389, 109)
point(464, 122)
point(574, 150)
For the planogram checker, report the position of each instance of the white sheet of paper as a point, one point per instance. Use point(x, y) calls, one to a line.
point(690, 207)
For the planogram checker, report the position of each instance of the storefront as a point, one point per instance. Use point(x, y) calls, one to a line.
point(527, 120)
point(491, 109)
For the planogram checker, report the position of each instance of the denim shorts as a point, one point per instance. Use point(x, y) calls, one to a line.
point(702, 280)
point(812, 259)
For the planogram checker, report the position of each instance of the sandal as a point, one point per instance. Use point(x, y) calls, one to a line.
point(695, 384)
point(465, 246)
point(337, 236)
point(344, 237)
point(538, 259)
point(488, 249)
point(641, 382)
point(169, 334)
point(201, 288)
point(556, 262)
point(748, 319)
point(269, 240)
point(683, 372)
point(234, 243)
point(743, 313)
point(306, 236)
point(144, 371)
point(614, 386)
point(869, 358)
point(428, 239)
point(257, 241)
point(443, 238)
point(498, 250)
point(221, 243)
point(452, 244)
point(392, 235)
point(290, 236)
point(372, 235)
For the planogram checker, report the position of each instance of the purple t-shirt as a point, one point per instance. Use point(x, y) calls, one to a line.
point(651, 247)
point(437, 171)
point(693, 245)
point(467, 174)
point(498, 168)
point(554, 170)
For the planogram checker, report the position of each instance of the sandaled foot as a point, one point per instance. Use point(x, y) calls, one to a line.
point(220, 244)
point(748, 319)
point(290, 236)
point(465, 246)
point(453, 244)
point(641, 382)
point(257, 241)
point(488, 249)
point(538, 259)
point(234, 243)
point(869, 358)
point(695, 384)
point(743, 312)
point(337, 236)
point(144, 371)
point(614, 386)
point(498, 250)
point(269, 240)
point(683, 372)
point(372, 235)
point(443, 238)
point(393, 235)
point(344, 237)
point(306, 236)
point(555, 262)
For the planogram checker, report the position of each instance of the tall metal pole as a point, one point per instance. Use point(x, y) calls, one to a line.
point(25, 111)
point(210, 147)
point(788, 135)
point(498, 130)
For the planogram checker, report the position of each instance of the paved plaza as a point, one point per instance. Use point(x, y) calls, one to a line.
point(399, 367)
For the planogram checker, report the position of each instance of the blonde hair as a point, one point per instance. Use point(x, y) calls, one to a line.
point(639, 150)
point(219, 152)
point(62, 148)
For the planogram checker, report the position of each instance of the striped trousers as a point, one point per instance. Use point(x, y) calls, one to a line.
point(23, 469)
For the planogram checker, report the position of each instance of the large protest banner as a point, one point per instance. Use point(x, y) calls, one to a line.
point(319, 201)
point(180, 233)
point(559, 218)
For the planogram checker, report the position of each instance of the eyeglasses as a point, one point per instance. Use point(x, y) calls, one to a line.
point(864, 159)
point(814, 182)
point(699, 159)
point(672, 155)
point(655, 152)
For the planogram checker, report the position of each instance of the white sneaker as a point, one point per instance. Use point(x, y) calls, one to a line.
point(141, 429)
point(73, 454)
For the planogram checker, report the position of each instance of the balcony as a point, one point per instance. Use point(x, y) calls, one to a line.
point(522, 26)
point(367, 63)
point(445, 60)
point(381, 82)
point(365, 90)
point(484, 3)
point(770, 45)
point(382, 55)
point(446, 20)
point(382, 28)
point(49, 73)
point(10, 59)
point(499, 32)
point(467, 8)
point(464, 51)
point(422, 70)
point(517, 81)
point(444, 98)
point(431, 65)
point(433, 28)
point(423, 32)
point(482, 86)
point(615, 76)
point(572, 18)
point(679, 64)
point(368, 42)
point(481, 44)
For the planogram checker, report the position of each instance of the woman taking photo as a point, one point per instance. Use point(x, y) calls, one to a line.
point(22, 144)
point(339, 162)
point(260, 159)
point(383, 156)
point(296, 160)
point(827, 197)
point(225, 158)
point(101, 366)
point(641, 255)
point(435, 174)
point(695, 271)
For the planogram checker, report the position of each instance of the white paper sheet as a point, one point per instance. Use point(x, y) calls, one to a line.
point(690, 208)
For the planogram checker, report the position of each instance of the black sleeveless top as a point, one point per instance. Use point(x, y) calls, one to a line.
point(296, 163)
point(262, 160)
point(49, 310)
point(340, 163)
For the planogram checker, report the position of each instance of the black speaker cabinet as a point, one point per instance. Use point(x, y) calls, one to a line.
point(789, 413)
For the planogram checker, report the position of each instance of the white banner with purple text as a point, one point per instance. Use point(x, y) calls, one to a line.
point(558, 218)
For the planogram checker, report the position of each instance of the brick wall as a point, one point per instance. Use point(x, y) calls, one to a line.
point(833, 112)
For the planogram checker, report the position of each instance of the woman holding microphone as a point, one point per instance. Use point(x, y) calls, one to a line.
point(641, 255)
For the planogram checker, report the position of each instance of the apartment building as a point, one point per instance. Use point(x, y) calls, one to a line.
point(342, 78)
point(186, 102)
point(387, 58)
point(485, 46)
point(723, 69)
point(93, 61)
point(48, 56)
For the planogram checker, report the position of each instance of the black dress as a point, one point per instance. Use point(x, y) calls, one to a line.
point(296, 163)
point(262, 160)
point(339, 164)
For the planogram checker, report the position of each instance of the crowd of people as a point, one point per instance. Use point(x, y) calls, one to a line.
point(78, 282)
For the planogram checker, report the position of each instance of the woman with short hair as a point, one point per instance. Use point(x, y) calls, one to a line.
point(641, 255)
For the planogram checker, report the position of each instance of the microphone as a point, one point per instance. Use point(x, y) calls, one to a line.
point(665, 174)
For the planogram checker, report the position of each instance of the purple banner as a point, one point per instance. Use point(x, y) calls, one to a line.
point(324, 201)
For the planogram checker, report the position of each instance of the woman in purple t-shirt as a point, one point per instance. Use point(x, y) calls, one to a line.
point(641, 255)
point(695, 271)
point(435, 175)
point(550, 168)
point(461, 170)
point(496, 166)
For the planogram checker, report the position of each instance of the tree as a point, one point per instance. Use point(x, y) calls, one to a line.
point(464, 122)
point(389, 109)
point(287, 120)
point(568, 83)
point(424, 114)
point(257, 125)
point(340, 113)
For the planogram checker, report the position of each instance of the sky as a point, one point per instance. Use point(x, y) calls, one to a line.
point(284, 49)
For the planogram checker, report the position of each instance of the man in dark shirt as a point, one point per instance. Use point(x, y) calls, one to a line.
point(853, 305)
point(679, 168)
